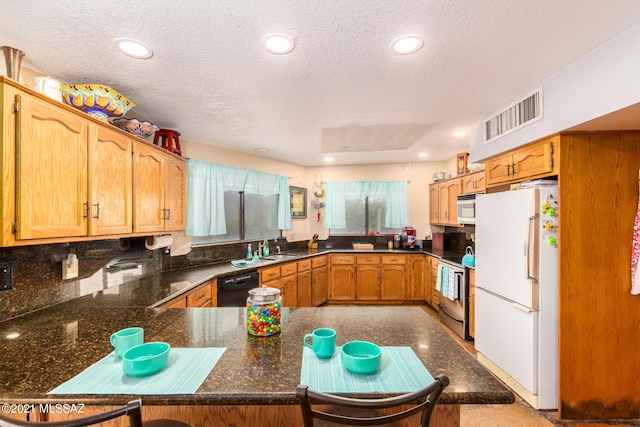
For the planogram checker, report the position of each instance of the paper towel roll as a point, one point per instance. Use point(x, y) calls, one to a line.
point(157, 242)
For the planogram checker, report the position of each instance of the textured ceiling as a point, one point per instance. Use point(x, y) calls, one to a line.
point(341, 92)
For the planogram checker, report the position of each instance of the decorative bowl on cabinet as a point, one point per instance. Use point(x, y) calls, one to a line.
point(136, 127)
point(98, 101)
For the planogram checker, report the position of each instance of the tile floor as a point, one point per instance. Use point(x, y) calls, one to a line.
point(519, 414)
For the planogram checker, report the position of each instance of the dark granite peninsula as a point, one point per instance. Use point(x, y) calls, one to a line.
point(254, 381)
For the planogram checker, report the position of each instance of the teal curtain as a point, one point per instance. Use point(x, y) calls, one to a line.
point(206, 184)
point(394, 193)
point(396, 213)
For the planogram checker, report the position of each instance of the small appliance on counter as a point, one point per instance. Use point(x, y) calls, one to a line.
point(408, 237)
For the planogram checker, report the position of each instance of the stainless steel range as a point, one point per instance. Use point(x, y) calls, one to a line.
point(453, 306)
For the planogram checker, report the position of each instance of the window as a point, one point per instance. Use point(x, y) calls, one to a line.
point(227, 204)
point(260, 217)
point(260, 220)
point(363, 216)
point(360, 207)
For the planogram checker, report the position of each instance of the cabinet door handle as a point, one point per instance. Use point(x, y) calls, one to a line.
point(508, 170)
point(97, 205)
point(86, 210)
point(168, 214)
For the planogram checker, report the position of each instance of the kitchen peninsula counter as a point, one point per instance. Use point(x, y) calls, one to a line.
point(53, 345)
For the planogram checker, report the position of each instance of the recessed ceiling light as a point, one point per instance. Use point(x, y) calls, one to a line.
point(12, 335)
point(328, 159)
point(423, 155)
point(261, 149)
point(460, 133)
point(133, 48)
point(278, 43)
point(407, 44)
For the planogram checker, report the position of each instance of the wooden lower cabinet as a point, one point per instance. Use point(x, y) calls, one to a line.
point(304, 289)
point(319, 281)
point(368, 282)
point(417, 277)
point(282, 277)
point(435, 296)
point(393, 278)
point(369, 278)
point(304, 283)
point(202, 296)
point(472, 302)
point(342, 278)
point(242, 415)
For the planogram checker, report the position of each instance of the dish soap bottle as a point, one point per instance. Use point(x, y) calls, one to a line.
point(265, 248)
point(249, 252)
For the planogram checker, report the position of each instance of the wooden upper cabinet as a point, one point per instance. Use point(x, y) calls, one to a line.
point(530, 161)
point(148, 189)
point(110, 175)
point(443, 202)
point(69, 177)
point(473, 183)
point(175, 194)
point(51, 175)
point(454, 188)
point(433, 204)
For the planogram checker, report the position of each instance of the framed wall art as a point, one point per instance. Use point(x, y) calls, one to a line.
point(298, 202)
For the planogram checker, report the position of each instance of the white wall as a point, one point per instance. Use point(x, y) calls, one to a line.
point(605, 80)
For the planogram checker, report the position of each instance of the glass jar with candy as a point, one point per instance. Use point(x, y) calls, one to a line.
point(264, 307)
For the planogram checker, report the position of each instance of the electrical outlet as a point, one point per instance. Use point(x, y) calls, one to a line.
point(6, 278)
point(70, 267)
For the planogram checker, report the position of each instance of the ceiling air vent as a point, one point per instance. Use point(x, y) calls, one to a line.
point(521, 113)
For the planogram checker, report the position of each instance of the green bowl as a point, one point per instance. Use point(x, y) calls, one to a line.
point(361, 357)
point(145, 359)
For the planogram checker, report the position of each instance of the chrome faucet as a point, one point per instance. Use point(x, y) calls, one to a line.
point(260, 249)
point(278, 249)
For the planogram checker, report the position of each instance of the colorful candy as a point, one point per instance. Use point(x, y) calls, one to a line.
point(264, 306)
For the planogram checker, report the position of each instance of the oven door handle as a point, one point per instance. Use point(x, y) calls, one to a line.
point(448, 312)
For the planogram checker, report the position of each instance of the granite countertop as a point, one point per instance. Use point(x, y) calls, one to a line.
point(154, 290)
point(53, 345)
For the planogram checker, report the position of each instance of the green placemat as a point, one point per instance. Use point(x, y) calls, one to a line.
point(185, 372)
point(401, 372)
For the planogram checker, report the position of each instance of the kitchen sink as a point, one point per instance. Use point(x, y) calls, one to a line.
point(279, 257)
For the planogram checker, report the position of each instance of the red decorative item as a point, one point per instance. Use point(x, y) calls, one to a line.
point(169, 140)
point(318, 216)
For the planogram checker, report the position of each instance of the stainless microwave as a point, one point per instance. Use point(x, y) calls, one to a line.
point(467, 209)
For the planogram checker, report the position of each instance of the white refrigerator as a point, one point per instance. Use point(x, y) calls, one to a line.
point(516, 300)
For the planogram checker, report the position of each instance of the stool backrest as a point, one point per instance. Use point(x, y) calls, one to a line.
point(420, 401)
point(131, 410)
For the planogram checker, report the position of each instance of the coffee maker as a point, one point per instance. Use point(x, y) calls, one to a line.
point(408, 237)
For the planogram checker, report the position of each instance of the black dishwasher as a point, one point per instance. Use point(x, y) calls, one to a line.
point(234, 290)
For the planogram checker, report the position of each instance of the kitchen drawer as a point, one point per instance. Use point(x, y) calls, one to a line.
point(288, 269)
point(267, 274)
point(201, 297)
point(304, 265)
point(343, 259)
point(368, 259)
point(319, 261)
point(393, 259)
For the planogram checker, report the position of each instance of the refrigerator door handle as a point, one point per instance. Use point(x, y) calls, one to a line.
point(530, 249)
point(522, 307)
